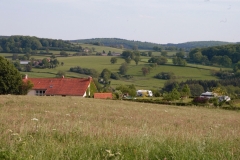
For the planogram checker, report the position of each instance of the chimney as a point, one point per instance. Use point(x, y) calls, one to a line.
point(90, 78)
point(26, 76)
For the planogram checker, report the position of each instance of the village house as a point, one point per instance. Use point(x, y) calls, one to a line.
point(61, 86)
point(24, 62)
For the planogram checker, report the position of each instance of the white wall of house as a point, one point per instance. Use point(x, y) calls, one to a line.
point(32, 93)
point(88, 89)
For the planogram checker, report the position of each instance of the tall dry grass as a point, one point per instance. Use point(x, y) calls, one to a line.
point(79, 128)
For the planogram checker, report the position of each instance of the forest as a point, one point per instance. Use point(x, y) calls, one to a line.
point(226, 55)
point(27, 44)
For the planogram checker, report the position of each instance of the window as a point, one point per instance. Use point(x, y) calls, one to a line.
point(40, 92)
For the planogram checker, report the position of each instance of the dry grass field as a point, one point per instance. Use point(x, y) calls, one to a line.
point(82, 128)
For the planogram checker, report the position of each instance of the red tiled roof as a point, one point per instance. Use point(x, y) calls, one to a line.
point(61, 86)
point(103, 95)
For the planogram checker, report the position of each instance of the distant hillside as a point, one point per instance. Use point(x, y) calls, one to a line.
point(129, 44)
point(118, 43)
point(198, 44)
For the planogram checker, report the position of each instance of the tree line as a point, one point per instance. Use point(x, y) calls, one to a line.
point(231, 86)
point(227, 55)
point(27, 44)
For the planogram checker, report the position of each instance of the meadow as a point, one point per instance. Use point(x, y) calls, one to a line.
point(192, 71)
point(82, 128)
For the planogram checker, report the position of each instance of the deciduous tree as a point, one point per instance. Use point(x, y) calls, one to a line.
point(10, 78)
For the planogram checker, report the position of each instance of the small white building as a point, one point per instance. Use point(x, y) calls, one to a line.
point(24, 62)
point(208, 95)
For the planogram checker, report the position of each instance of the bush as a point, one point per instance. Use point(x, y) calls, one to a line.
point(165, 75)
point(200, 100)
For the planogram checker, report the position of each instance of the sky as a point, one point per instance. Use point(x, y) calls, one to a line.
point(157, 21)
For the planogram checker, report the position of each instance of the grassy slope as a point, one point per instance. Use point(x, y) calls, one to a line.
point(79, 128)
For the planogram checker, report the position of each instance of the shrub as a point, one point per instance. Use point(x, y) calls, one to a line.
point(165, 75)
point(200, 100)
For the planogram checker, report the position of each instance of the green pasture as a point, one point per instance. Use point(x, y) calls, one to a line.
point(191, 71)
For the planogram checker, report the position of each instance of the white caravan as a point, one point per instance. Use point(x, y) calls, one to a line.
point(141, 93)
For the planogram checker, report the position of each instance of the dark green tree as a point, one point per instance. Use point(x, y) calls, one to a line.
point(180, 54)
point(123, 68)
point(185, 92)
point(127, 89)
point(109, 53)
point(28, 67)
point(164, 53)
point(113, 60)
point(63, 53)
point(149, 54)
point(105, 74)
point(10, 78)
point(26, 86)
point(137, 59)
point(128, 60)
point(159, 60)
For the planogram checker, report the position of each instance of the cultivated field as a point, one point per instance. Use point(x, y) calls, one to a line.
point(81, 128)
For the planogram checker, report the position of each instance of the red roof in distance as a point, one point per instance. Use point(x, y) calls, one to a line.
point(103, 95)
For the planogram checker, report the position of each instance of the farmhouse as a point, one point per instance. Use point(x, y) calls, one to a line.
point(61, 86)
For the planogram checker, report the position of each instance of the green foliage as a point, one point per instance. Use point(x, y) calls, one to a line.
point(113, 60)
point(128, 60)
point(171, 96)
point(179, 61)
point(170, 85)
point(164, 53)
point(149, 54)
point(185, 92)
point(180, 54)
point(156, 48)
point(159, 60)
point(123, 68)
point(27, 44)
point(63, 53)
point(115, 76)
point(156, 93)
point(236, 67)
point(93, 88)
point(196, 89)
point(137, 59)
point(127, 89)
point(105, 74)
point(145, 71)
point(87, 71)
point(117, 94)
point(26, 86)
point(109, 53)
point(10, 78)
point(165, 75)
point(221, 55)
